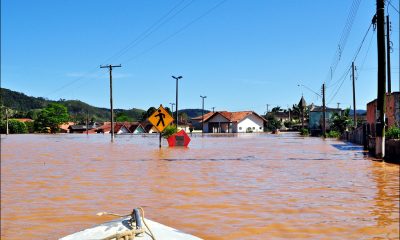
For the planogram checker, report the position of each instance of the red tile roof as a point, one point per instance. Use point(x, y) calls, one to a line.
point(230, 116)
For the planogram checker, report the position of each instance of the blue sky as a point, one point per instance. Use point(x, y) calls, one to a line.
point(241, 54)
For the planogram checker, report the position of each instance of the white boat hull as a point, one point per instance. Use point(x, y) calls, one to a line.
point(111, 228)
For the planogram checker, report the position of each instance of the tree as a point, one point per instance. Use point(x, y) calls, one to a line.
point(122, 117)
point(51, 117)
point(276, 109)
point(273, 123)
point(14, 126)
point(340, 123)
point(148, 113)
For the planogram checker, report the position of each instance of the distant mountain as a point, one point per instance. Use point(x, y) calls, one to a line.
point(358, 112)
point(24, 106)
point(193, 112)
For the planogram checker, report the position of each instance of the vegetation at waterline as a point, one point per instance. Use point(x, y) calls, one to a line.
point(393, 133)
point(304, 132)
point(169, 131)
point(333, 134)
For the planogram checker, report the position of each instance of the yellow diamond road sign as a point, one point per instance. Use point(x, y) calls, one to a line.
point(160, 119)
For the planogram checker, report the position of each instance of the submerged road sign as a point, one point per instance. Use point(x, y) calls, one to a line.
point(160, 119)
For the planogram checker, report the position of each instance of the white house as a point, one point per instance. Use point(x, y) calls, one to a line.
point(233, 122)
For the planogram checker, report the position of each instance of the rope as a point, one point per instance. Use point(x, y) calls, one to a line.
point(129, 234)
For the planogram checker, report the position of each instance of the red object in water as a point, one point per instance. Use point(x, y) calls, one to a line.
point(179, 139)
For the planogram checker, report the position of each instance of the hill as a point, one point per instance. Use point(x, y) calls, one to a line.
point(26, 106)
point(191, 113)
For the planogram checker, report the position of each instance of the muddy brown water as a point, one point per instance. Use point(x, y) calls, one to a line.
point(246, 186)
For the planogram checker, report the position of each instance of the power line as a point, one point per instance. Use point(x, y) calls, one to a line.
point(342, 79)
point(390, 3)
point(343, 38)
point(155, 26)
point(178, 31)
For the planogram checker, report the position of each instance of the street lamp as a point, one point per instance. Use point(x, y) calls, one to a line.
point(172, 107)
point(176, 99)
point(301, 85)
point(202, 117)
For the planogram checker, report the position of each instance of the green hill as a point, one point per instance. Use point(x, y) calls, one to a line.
point(23, 106)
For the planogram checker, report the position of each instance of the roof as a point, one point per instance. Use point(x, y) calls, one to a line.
point(107, 127)
point(206, 116)
point(233, 116)
point(320, 109)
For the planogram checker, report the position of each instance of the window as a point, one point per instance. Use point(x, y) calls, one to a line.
point(254, 128)
point(240, 128)
point(260, 128)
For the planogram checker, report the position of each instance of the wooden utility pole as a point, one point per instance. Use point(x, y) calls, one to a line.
point(87, 122)
point(323, 112)
point(380, 121)
point(110, 67)
point(354, 96)
point(7, 130)
point(389, 80)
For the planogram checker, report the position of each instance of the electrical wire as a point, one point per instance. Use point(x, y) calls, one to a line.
point(343, 78)
point(155, 26)
point(177, 32)
point(343, 38)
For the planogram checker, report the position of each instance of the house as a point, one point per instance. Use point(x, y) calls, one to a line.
point(315, 122)
point(232, 122)
point(136, 128)
point(282, 116)
point(81, 128)
point(148, 127)
point(196, 121)
point(119, 128)
point(64, 128)
point(392, 112)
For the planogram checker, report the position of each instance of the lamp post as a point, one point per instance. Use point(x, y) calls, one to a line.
point(202, 112)
point(176, 99)
point(172, 107)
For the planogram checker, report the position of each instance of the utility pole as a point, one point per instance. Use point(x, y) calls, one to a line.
point(172, 107)
point(389, 77)
point(213, 109)
point(380, 122)
point(176, 99)
point(87, 122)
point(7, 131)
point(267, 109)
point(354, 96)
point(110, 67)
point(202, 114)
point(323, 112)
point(338, 105)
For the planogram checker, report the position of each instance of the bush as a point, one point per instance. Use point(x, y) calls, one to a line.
point(393, 133)
point(169, 130)
point(14, 126)
point(304, 132)
point(333, 134)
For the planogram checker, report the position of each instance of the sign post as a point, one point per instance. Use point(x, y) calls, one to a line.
point(160, 120)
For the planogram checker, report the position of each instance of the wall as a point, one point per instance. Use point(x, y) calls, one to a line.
point(392, 111)
point(251, 121)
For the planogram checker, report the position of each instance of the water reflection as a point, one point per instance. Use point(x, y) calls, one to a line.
point(243, 186)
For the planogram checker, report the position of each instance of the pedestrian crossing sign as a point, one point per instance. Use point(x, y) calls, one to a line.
point(160, 119)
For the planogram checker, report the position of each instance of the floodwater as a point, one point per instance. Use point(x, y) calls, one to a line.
point(246, 186)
